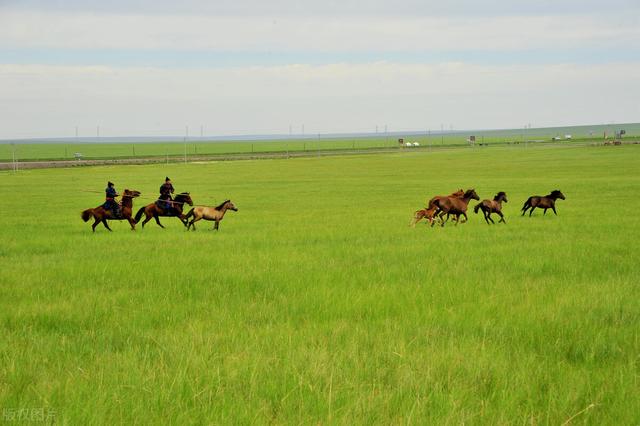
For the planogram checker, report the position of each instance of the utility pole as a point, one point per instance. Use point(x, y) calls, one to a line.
point(15, 164)
point(186, 135)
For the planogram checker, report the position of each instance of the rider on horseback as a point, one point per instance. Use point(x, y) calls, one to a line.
point(165, 195)
point(110, 202)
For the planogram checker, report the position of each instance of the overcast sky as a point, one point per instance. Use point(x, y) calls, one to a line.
point(146, 68)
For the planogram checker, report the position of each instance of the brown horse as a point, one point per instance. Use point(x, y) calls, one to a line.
point(431, 210)
point(492, 206)
point(546, 202)
point(209, 213)
point(153, 211)
point(100, 214)
point(456, 206)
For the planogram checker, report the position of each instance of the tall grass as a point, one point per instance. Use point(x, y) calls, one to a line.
point(316, 303)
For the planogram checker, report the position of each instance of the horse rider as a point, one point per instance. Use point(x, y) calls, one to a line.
point(110, 202)
point(165, 195)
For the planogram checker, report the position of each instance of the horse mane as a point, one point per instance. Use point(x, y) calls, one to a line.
point(182, 194)
point(555, 192)
point(498, 195)
point(222, 204)
point(468, 192)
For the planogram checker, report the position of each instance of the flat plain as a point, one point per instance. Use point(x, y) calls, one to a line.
point(317, 303)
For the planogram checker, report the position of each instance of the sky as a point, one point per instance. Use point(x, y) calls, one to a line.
point(251, 67)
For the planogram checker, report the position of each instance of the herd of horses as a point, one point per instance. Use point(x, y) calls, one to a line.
point(155, 211)
point(441, 207)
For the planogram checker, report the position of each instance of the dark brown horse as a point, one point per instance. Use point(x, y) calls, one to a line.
point(100, 214)
point(210, 213)
point(492, 206)
point(546, 202)
point(153, 211)
point(456, 206)
point(431, 210)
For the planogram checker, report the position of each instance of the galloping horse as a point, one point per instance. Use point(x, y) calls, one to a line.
point(431, 210)
point(492, 206)
point(153, 211)
point(100, 214)
point(209, 213)
point(456, 206)
point(546, 202)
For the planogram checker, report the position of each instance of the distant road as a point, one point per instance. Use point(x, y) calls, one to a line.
point(22, 165)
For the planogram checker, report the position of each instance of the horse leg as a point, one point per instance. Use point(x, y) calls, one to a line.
point(158, 221)
point(545, 212)
point(457, 219)
point(146, 219)
point(442, 222)
point(193, 222)
point(215, 227)
point(501, 218)
point(106, 225)
point(466, 219)
point(486, 216)
point(554, 210)
point(97, 221)
point(531, 211)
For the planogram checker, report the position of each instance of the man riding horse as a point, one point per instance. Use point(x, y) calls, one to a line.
point(110, 202)
point(165, 201)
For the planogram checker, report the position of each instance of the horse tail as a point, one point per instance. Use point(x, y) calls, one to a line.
point(477, 207)
point(527, 204)
point(86, 215)
point(139, 214)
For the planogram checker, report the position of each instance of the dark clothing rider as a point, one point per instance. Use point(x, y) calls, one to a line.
point(165, 195)
point(110, 202)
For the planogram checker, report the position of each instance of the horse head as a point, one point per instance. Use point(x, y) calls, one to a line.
point(131, 193)
point(471, 194)
point(501, 196)
point(184, 197)
point(227, 204)
point(557, 194)
point(231, 206)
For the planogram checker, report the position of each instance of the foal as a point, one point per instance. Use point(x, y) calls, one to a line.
point(492, 206)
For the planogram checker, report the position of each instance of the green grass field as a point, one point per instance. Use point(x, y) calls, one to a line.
point(91, 150)
point(316, 303)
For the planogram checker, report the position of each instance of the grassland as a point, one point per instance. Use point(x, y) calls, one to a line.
point(196, 148)
point(316, 303)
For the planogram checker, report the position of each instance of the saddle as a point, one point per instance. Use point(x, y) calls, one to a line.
point(166, 206)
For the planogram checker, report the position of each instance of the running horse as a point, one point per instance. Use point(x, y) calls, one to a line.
point(431, 210)
point(456, 206)
point(492, 206)
point(546, 202)
point(152, 211)
point(100, 214)
point(210, 213)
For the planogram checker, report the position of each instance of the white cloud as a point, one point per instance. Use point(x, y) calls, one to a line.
point(43, 101)
point(30, 29)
